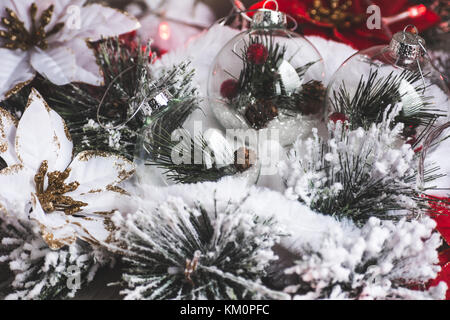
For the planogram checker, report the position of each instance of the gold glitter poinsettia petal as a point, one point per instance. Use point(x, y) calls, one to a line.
point(15, 72)
point(97, 170)
point(36, 139)
point(15, 187)
point(52, 196)
point(59, 230)
point(55, 229)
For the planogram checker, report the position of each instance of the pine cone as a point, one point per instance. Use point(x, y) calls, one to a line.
point(244, 158)
point(313, 94)
point(260, 113)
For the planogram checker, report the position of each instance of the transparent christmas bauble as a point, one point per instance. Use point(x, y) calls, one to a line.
point(399, 75)
point(268, 78)
point(166, 154)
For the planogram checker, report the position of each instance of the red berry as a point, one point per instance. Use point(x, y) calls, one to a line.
point(229, 89)
point(257, 54)
point(337, 116)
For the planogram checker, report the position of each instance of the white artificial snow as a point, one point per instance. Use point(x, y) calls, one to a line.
point(329, 253)
point(377, 153)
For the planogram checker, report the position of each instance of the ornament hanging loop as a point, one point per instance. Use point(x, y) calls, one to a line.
point(273, 1)
point(416, 31)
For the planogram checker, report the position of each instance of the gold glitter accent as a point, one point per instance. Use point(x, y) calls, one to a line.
point(90, 240)
point(11, 169)
point(16, 36)
point(95, 191)
point(56, 141)
point(54, 244)
point(3, 147)
point(335, 13)
point(105, 213)
point(109, 225)
point(124, 175)
point(66, 131)
point(53, 198)
point(18, 87)
point(7, 115)
point(3, 210)
point(34, 92)
point(88, 155)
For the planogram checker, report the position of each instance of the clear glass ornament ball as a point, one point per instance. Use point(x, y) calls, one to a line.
point(268, 78)
point(220, 158)
point(399, 74)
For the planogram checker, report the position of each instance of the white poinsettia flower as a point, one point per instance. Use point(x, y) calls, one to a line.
point(70, 198)
point(51, 37)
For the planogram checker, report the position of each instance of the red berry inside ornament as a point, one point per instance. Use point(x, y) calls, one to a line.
point(337, 116)
point(229, 89)
point(257, 54)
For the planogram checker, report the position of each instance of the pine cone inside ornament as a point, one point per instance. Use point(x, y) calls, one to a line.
point(260, 113)
point(244, 159)
point(312, 98)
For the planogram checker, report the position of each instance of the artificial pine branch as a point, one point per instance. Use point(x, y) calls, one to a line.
point(358, 174)
point(33, 271)
point(376, 94)
point(262, 91)
point(129, 83)
point(159, 147)
point(182, 252)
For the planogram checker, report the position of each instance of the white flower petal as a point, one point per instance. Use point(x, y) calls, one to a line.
point(87, 69)
point(55, 227)
point(8, 125)
point(91, 229)
point(104, 203)
point(36, 139)
point(65, 142)
point(97, 170)
point(15, 71)
point(57, 64)
point(16, 185)
point(59, 229)
point(62, 8)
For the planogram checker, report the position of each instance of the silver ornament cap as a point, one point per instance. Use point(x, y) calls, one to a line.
point(266, 18)
point(407, 46)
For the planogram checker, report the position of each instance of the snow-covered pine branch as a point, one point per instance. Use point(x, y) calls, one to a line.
point(34, 271)
point(174, 250)
point(355, 173)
